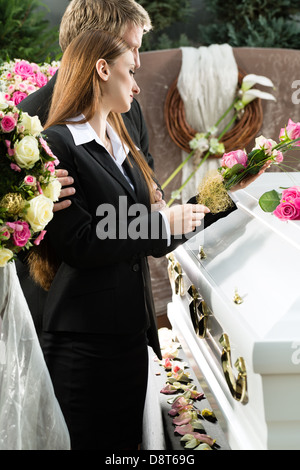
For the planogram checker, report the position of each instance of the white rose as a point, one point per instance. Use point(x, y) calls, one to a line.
point(39, 213)
point(5, 256)
point(32, 124)
point(27, 152)
point(52, 190)
point(3, 102)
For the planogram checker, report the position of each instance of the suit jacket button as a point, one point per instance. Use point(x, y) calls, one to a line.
point(136, 267)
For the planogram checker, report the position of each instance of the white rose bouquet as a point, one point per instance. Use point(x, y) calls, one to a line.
point(28, 185)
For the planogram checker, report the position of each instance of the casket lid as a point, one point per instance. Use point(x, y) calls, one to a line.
point(258, 255)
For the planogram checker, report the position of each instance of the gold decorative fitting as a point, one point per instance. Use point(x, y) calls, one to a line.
point(175, 275)
point(198, 311)
point(202, 254)
point(237, 298)
point(237, 386)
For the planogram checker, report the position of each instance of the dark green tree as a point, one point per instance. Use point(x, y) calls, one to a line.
point(25, 33)
point(164, 14)
point(252, 23)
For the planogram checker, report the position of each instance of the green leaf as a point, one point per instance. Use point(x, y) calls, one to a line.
point(269, 201)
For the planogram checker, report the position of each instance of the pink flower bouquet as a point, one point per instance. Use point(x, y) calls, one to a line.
point(285, 206)
point(20, 78)
point(237, 165)
point(28, 185)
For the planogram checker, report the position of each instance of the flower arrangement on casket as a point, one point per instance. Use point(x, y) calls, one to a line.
point(28, 185)
point(237, 165)
point(285, 205)
point(205, 144)
point(19, 78)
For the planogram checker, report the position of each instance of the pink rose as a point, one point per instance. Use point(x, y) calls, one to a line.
point(278, 156)
point(30, 180)
point(40, 79)
point(292, 195)
point(24, 69)
point(4, 233)
point(35, 67)
point(18, 96)
point(8, 124)
point(21, 232)
point(266, 144)
point(292, 130)
point(232, 158)
point(287, 211)
point(52, 70)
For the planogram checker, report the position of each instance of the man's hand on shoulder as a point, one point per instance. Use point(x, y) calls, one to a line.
point(65, 180)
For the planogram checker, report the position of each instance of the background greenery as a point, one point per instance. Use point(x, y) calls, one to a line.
point(25, 31)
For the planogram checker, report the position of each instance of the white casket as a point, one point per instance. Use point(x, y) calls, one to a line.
point(249, 351)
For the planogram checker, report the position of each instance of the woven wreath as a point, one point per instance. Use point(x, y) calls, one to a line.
point(239, 136)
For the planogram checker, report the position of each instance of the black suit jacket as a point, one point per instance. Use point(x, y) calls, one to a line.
point(103, 284)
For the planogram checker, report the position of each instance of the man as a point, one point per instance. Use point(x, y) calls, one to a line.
point(124, 18)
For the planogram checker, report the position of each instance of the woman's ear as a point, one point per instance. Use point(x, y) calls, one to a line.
point(103, 69)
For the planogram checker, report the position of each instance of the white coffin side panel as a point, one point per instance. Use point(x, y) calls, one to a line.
point(259, 256)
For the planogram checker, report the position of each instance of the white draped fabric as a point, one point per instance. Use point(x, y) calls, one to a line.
point(30, 417)
point(207, 85)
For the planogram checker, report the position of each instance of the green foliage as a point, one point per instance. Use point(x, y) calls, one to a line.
point(25, 33)
point(164, 14)
point(269, 201)
point(254, 23)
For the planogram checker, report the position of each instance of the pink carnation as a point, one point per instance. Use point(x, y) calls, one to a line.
point(292, 130)
point(50, 167)
point(21, 232)
point(24, 69)
point(8, 124)
point(18, 96)
point(232, 158)
point(46, 147)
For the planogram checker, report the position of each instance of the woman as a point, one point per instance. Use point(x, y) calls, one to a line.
point(99, 316)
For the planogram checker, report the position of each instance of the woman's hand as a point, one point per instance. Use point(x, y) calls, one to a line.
point(65, 180)
point(159, 202)
point(249, 179)
point(184, 218)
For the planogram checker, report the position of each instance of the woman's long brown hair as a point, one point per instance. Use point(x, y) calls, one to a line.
point(78, 89)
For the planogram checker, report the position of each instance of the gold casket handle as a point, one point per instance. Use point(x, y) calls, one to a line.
point(175, 275)
point(198, 312)
point(237, 386)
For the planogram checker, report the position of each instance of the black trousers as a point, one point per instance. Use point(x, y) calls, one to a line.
point(100, 382)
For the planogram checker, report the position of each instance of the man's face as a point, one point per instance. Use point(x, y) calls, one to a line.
point(133, 35)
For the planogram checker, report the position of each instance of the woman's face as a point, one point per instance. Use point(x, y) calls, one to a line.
point(121, 85)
